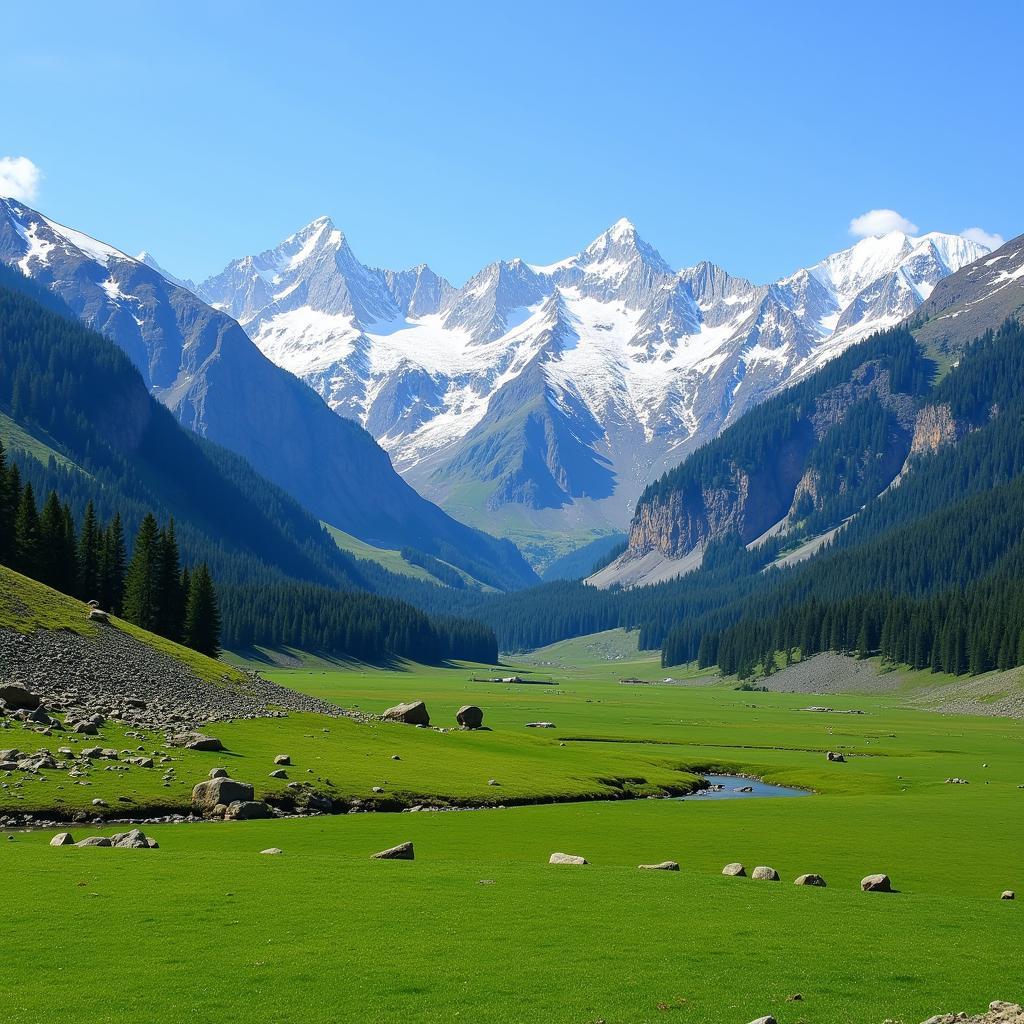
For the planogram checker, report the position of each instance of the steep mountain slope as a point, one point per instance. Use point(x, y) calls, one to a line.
point(982, 295)
point(108, 441)
point(808, 458)
point(543, 399)
point(203, 367)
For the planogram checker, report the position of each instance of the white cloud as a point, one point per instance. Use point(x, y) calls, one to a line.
point(983, 237)
point(19, 178)
point(881, 222)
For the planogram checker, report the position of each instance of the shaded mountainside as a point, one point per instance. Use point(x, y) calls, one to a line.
point(980, 296)
point(797, 464)
point(203, 367)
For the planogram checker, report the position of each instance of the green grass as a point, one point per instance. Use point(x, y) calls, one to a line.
point(215, 931)
point(16, 439)
point(392, 559)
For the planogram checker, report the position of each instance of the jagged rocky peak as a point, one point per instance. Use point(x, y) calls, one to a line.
point(418, 291)
point(485, 305)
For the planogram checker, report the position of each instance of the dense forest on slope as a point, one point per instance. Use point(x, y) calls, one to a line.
point(114, 447)
point(953, 521)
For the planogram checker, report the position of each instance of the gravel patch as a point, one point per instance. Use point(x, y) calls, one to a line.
point(117, 676)
point(832, 673)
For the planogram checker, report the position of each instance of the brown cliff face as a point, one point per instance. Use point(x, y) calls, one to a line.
point(757, 499)
point(934, 428)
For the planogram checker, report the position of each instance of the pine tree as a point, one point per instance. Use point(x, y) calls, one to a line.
point(112, 567)
point(171, 600)
point(142, 582)
point(89, 556)
point(8, 509)
point(26, 534)
point(51, 543)
point(202, 615)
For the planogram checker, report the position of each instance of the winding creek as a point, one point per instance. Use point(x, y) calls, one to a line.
point(736, 787)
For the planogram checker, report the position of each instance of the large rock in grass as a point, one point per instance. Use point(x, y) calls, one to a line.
point(95, 841)
point(469, 716)
point(567, 858)
point(876, 883)
point(810, 879)
point(665, 865)
point(403, 851)
point(19, 698)
point(222, 790)
point(62, 839)
point(736, 870)
point(763, 873)
point(412, 713)
point(248, 810)
point(134, 840)
point(1008, 894)
point(197, 741)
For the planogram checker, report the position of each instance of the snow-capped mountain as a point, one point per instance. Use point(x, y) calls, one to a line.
point(550, 395)
point(203, 366)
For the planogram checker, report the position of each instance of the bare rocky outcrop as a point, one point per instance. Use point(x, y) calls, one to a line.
point(934, 428)
point(999, 1012)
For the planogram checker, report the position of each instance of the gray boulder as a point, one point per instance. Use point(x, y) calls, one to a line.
point(248, 810)
point(403, 851)
point(95, 841)
point(62, 839)
point(279, 773)
point(469, 716)
point(769, 1019)
point(197, 741)
point(765, 874)
point(567, 858)
point(134, 840)
point(272, 851)
point(222, 790)
point(833, 755)
point(282, 759)
point(411, 713)
point(876, 883)
point(218, 773)
point(18, 697)
point(736, 870)
point(665, 865)
point(1008, 894)
point(810, 879)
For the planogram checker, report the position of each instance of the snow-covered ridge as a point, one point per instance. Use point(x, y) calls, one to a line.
point(662, 359)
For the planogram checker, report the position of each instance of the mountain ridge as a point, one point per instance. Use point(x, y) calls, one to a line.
point(659, 360)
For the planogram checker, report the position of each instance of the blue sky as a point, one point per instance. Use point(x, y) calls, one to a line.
point(457, 133)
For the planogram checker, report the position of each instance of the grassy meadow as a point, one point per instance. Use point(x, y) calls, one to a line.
point(480, 928)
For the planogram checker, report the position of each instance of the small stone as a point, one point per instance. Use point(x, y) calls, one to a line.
point(99, 803)
point(403, 851)
point(735, 870)
point(540, 725)
point(567, 858)
point(876, 883)
point(769, 1019)
point(1008, 894)
point(493, 782)
point(279, 773)
point(762, 873)
point(665, 865)
point(282, 759)
point(272, 851)
point(395, 757)
point(215, 773)
point(810, 879)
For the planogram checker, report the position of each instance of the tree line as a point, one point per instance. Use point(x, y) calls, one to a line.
point(90, 561)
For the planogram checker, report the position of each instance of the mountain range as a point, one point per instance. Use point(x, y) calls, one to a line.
point(200, 364)
point(538, 401)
